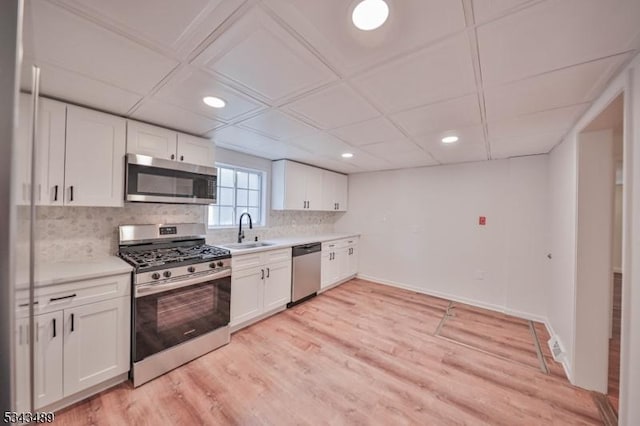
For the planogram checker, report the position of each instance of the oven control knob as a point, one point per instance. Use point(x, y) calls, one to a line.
point(212, 265)
point(220, 264)
point(191, 269)
point(166, 274)
point(155, 276)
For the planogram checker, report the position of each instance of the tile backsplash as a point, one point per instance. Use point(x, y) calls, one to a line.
point(65, 233)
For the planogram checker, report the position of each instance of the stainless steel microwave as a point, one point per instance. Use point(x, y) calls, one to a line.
point(154, 180)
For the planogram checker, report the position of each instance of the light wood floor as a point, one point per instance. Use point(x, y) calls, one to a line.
point(361, 353)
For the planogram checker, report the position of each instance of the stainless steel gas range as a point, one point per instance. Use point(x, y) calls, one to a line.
point(181, 296)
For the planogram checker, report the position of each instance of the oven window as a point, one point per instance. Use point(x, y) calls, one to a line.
point(168, 183)
point(186, 307)
point(155, 184)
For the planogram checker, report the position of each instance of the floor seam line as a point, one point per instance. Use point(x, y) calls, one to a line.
point(443, 320)
point(543, 364)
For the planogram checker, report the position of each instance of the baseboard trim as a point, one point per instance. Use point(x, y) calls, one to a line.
point(336, 284)
point(85, 394)
point(264, 315)
point(453, 297)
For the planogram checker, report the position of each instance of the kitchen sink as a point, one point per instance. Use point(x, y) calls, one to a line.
point(247, 245)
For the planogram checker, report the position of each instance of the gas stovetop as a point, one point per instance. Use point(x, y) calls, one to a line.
point(158, 258)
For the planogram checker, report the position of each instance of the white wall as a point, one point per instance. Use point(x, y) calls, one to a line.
point(596, 177)
point(419, 230)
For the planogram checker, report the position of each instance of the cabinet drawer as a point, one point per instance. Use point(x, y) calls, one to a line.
point(277, 255)
point(245, 261)
point(77, 293)
point(330, 245)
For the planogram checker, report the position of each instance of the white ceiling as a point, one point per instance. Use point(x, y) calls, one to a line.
point(509, 77)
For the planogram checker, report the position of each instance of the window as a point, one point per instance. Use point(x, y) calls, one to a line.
point(239, 190)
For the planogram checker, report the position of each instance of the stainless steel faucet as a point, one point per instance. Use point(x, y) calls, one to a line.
point(240, 231)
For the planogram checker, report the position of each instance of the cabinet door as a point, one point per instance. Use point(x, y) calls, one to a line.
point(313, 187)
point(94, 168)
point(48, 358)
point(295, 197)
point(150, 140)
point(247, 289)
point(195, 150)
point(22, 154)
point(277, 285)
point(96, 343)
point(329, 190)
point(341, 190)
point(342, 259)
point(330, 271)
point(353, 259)
point(22, 377)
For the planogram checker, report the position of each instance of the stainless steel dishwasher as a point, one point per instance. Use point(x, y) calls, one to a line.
point(305, 274)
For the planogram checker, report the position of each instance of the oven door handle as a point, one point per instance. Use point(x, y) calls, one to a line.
point(148, 289)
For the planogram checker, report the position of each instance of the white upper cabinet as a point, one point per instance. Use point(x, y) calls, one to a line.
point(334, 191)
point(159, 142)
point(94, 168)
point(150, 140)
point(49, 180)
point(297, 186)
point(195, 150)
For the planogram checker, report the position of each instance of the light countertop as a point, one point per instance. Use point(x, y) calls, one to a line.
point(288, 242)
point(67, 271)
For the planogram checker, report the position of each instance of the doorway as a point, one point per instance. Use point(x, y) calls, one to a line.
point(599, 252)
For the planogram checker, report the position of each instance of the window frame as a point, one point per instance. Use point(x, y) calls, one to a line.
point(262, 174)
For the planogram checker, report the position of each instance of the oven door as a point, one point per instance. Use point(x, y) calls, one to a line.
point(151, 179)
point(166, 315)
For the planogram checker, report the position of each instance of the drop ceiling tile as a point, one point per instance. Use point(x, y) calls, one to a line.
point(569, 86)
point(487, 9)
point(333, 107)
point(440, 117)
point(187, 88)
point(260, 56)
point(413, 158)
point(174, 26)
point(58, 37)
point(384, 149)
point(327, 26)
point(556, 34)
point(532, 133)
point(365, 161)
point(470, 146)
point(368, 132)
point(238, 139)
point(322, 144)
point(440, 72)
point(163, 114)
point(62, 84)
point(277, 125)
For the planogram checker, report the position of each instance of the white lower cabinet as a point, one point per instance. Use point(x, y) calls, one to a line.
point(339, 261)
point(76, 344)
point(260, 283)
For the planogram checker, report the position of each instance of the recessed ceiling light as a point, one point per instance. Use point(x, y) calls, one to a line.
point(214, 102)
point(450, 139)
point(370, 14)
point(347, 155)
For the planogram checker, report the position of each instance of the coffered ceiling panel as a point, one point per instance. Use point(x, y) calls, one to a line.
point(327, 26)
point(59, 83)
point(569, 86)
point(555, 34)
point(58, 37)
point(440, 117)
point(164, 114)
point(368, 132)
point(440, 72)
point(177, 26)
point(333, 107)
point(532, 133)
point(188, 87)
point(258, 55)
point(470, 147)
point(277, 125)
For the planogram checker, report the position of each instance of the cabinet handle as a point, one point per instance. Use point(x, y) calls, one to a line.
point(173, 156)
point(53, 299)
point(268, 272)
point(262, 277)
point(182, 158)
point(19, 335)
point(37, 331)
point(26, 304)
point(71, 193)
point(73, 326)
point(54, 327)
point(55, 193)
